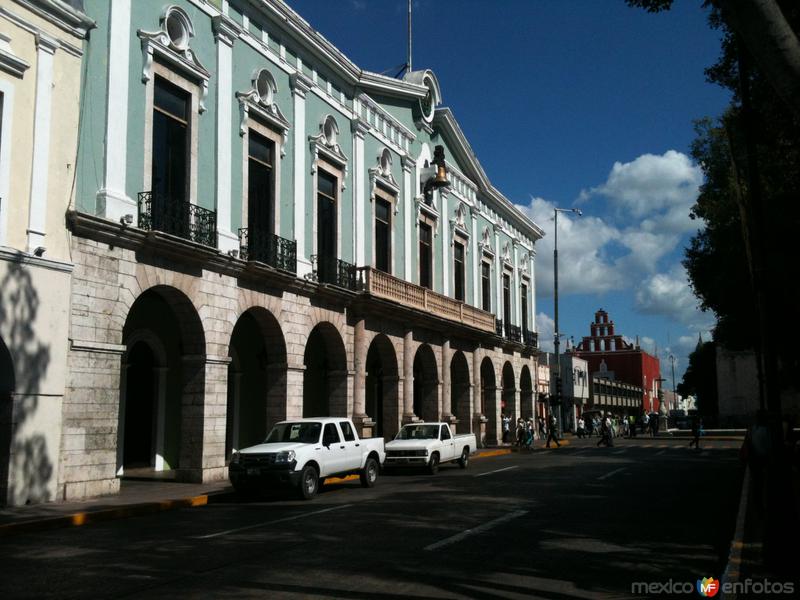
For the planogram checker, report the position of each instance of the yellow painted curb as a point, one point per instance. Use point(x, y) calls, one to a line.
point(488, 453)
point(334, 480)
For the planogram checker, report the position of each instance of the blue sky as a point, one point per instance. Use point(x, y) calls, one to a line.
point(571, 103)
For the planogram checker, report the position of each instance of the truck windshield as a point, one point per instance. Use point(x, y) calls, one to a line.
point(303, 433)
point(418, 432)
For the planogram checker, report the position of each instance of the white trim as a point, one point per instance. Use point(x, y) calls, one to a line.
point(445, 246)
point(498, 267)
point(114, 193)
point(300, 85)
point(42, 123)
point(408, 165)
point(359, 208)
point(7, 90)
point(9, 61)
point(227, 239)
point(532, 302)
point(517, 281)
point(477, 297)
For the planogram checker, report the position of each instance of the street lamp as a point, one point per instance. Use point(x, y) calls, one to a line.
point(674, 394)
point(557, 343)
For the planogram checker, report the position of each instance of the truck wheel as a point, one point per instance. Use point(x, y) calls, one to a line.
point(369, 474)
point(309, 482)
point(463, 462)
point(433, 465)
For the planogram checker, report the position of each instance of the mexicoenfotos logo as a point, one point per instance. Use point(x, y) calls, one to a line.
point(708, 587)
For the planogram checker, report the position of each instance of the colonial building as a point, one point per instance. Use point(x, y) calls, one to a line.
point(617, 397)
point(262, 230)
point(41, 49)
point(607, 351)
point(574, 393)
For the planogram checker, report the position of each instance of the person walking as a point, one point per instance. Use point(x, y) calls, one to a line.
point(581, 428)
point(551, 431)
point(506, 420)
point(697, 431)
point(540, 421)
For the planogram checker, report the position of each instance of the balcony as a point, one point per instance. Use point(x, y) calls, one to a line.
point(385, 286)
point(513, 333)
point(268, 248)
point(531, 339)
point(498, 327)
point(181, 219)
point(334, 271)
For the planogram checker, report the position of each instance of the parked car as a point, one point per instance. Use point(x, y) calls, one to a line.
point(303, 452)
point(429, 445)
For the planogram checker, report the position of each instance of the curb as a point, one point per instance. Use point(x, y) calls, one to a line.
point(732, 568)
point(88, 517)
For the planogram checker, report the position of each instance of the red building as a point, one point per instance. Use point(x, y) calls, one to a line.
point(608, 352)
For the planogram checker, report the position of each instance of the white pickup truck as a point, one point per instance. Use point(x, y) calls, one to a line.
point(429, 445)
point(303, 452)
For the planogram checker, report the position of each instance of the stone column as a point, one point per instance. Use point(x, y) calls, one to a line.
point(161, 408)
point(360, 418)
point(447, 384)
point(478, 419)
point(408, 378)
point(300, 85)
point(294, 391)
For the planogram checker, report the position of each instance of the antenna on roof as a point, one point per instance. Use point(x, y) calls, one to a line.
point(408, 62)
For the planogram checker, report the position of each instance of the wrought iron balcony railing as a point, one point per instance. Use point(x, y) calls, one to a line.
point(531, 338)
point(269, 249)
point(498, 327)
point(513, 333)
point(334, 271)
point(182, 219)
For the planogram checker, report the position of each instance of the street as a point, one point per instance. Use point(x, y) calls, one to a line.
point(577, 521)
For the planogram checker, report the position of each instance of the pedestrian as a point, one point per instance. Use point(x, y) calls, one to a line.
point(529, 434)
point(605, 433)
point(520, 433)
point(541, 428)
point(633, 425)
point(645, 423)
point(506, 420)
point(551, 431)
point(581, 428)
point(697, 431)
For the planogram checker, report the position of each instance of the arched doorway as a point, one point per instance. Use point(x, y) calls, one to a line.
point(325, 375)
point(489, 406)
point(426, 384)
point(509, 402)
point(460, 392)
point(382, 401)
point(256, 379)
point(526, 399)
point(163, 371)
point(7, 387)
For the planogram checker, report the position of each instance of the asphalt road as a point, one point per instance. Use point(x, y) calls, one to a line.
point(575, 522)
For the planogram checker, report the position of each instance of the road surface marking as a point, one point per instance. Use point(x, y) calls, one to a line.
point(614, 472)
point(496, 471)
point(659, 453)
point(265, 523)
point(476, 530)
point(619, 451)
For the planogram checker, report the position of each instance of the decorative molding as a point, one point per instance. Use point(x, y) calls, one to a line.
point(359, 128)
point(62, 15)
point(300, 84)
point(263, 108)
point(458, 225)
point(47, 43)
point(178, 56)
point(23, 258)
point(485, 243)
point(325, 144)
point(407, 163)
point(381, 174)
point(225, 29)
point(9, 62)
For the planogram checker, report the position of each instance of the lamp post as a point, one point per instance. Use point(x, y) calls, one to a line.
point(674, 393)
point(557, 342)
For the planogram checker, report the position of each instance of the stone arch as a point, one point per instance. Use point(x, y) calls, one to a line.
point(526, 395)
point(490, 408)
point(461, 392)
point(7, 387)
point(325, 389)
point(509, 401)
point(382, 390)
point(426, 384)
point(161, 385)
point(257, 374)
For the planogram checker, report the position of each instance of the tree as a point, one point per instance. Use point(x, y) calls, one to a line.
point(700, 379)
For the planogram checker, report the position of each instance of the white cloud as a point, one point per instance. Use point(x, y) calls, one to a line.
point(545, 327)
point(669, 295)
point(652, 183)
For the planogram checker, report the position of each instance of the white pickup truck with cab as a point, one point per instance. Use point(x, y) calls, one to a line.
point(429, 445)
point(303, 452)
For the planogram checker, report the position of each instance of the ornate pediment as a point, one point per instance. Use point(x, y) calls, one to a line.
point(170, 44)
point(326, 145)
point(486, 242)
point(381, 174)
point(458, 224)
point(259, 103)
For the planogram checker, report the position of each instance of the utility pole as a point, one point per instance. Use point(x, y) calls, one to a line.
point(408, 62)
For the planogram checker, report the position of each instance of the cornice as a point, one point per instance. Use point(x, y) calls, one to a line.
point(61, 15)
point(225, 29)
point(300, 84)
